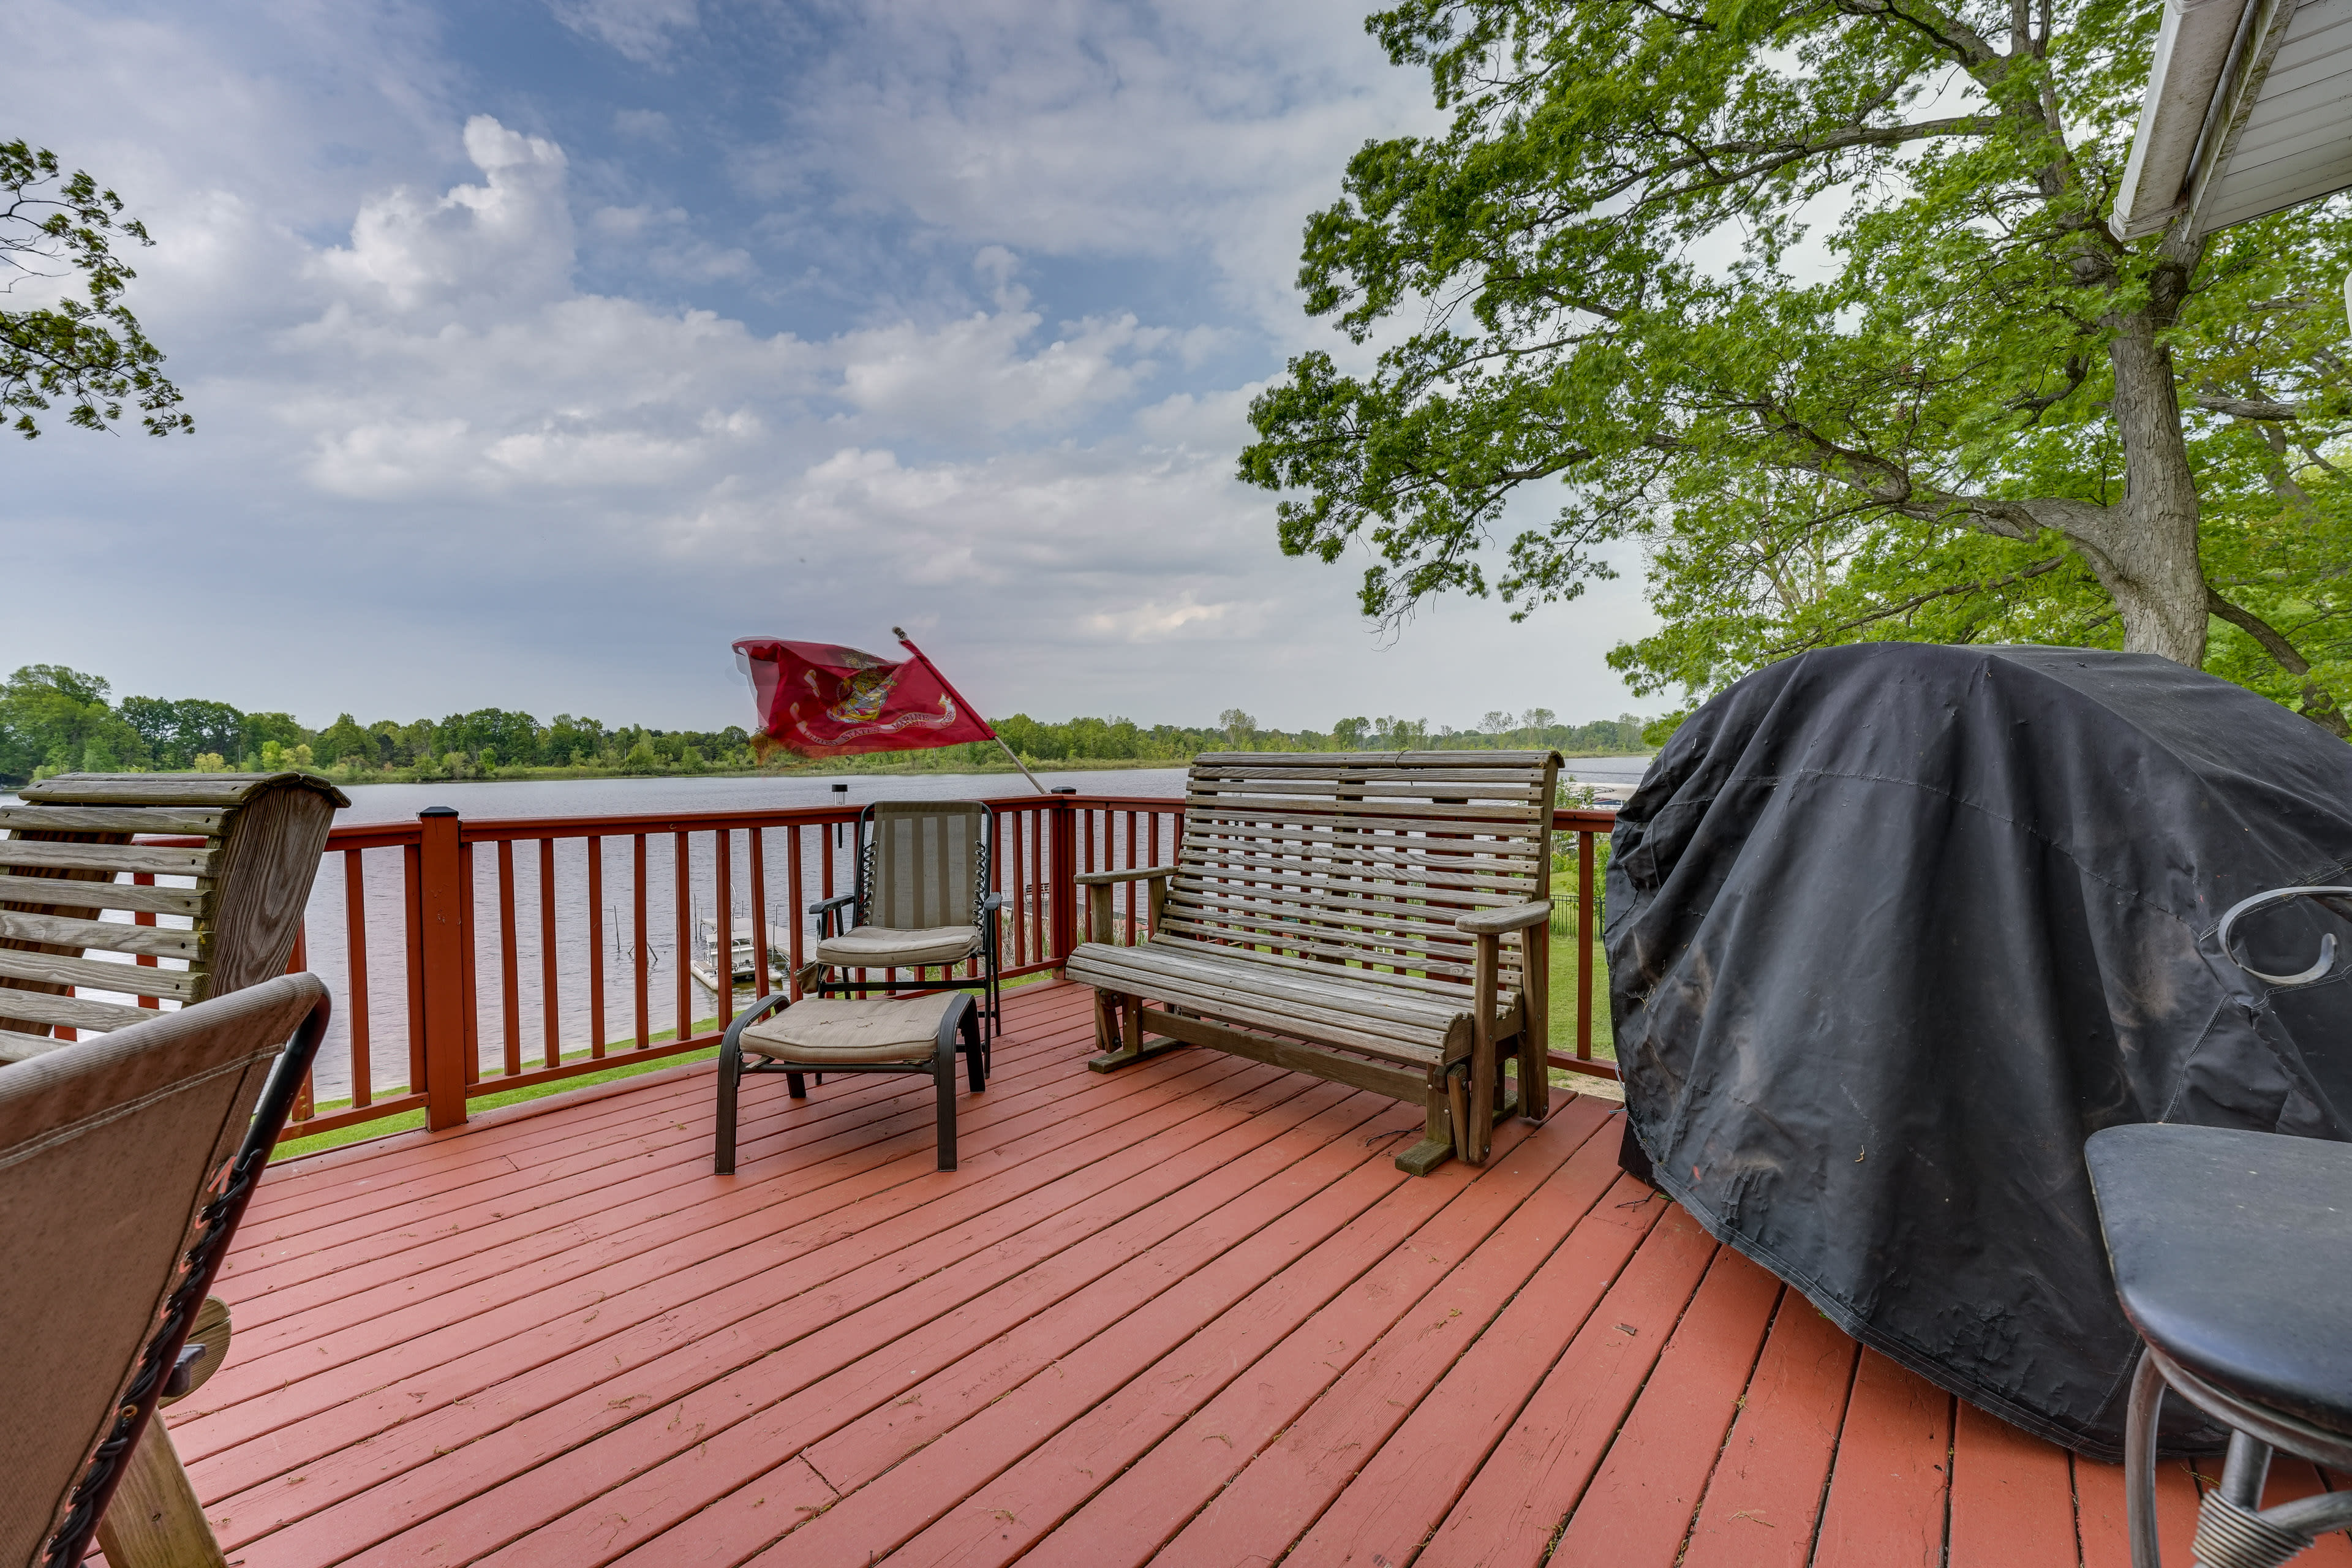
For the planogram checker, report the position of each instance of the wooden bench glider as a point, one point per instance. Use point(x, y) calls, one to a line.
point(242, 893)
point(1347, 915)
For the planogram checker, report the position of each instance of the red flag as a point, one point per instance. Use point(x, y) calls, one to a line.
point(820, 700)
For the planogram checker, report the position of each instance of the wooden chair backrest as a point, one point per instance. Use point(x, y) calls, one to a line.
point(70, 841)
point(1362, 859)
point(925, 863)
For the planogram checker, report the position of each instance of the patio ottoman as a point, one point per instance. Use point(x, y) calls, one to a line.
point(819, 1034)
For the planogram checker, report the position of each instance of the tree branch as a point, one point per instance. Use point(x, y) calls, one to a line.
point(2249, 408)
point(2317, 705)
point(1889, 612)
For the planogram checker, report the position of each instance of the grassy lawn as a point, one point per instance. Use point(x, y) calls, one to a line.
point(1564, 999)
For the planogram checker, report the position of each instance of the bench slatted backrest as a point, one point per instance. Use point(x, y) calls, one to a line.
point(230, 919)
point(1361, 860)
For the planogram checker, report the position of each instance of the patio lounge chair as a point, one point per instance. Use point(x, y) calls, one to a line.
point(119, 1195)
point(922, 901)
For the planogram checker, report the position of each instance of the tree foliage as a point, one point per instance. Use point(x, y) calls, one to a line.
point(89, 352)
point(1816, 303)
point(55, 719)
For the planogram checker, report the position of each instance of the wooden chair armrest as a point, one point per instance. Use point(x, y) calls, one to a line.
point(1104, 879)
point(1512, 917)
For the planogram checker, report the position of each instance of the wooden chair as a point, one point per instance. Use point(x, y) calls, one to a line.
point(1345, 914)
point(262, 835)
point(246, 886)
point(125, 1163)
point(921, 900)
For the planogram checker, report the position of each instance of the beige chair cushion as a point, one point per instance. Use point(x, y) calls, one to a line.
point(877, 947)
point(824, 1029)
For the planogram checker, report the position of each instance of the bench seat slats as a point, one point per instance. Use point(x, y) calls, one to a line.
point(114, 858)
point(64, 930)
point(1233, 991)
point(96, 974)
point(1306, 940)
point(1403, 978)
point(1367, 990)
point(41, 1007)
point(60, 893)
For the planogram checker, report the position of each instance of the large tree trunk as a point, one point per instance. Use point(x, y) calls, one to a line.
point(2143, 549)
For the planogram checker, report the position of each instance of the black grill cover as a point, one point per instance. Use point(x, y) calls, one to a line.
point(1893, 929)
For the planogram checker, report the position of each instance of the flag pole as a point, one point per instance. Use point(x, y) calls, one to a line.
point(901, 634)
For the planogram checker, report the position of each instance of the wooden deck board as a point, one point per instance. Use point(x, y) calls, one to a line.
point(1187, 1313)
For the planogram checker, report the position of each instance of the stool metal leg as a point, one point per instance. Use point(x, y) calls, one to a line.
point(2245, 1471)
point(2139, 1461)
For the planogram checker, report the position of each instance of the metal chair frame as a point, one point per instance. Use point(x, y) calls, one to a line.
point(986, 904)
point(959, 1025)
point(2233, 1530)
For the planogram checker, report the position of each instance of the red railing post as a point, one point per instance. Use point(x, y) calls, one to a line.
point(1584, 944)
point(448, 965)
point(1064, 874)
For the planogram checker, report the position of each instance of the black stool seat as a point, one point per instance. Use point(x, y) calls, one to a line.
point(2233, 1255)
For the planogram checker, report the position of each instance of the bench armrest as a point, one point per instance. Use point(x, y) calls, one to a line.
point(1104, 879)
point(1511, 917)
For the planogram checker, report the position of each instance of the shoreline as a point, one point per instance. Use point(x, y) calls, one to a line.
point(847, 766)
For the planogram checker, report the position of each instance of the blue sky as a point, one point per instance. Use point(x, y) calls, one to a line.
point(541, 348)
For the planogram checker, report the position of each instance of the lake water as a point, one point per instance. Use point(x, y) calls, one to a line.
point(384, 897)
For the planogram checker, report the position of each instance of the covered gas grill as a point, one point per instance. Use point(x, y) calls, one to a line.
point(1893, 929)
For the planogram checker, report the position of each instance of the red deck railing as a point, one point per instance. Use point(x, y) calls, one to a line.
point(439, 935)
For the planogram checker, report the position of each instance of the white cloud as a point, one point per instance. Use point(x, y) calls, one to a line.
point(637, 29)
point(505, 240)
point(497, 392)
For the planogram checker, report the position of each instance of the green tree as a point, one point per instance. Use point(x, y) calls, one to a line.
point(343, 741)
point(176, 733)
point(1969, 412)
point(90, 350)
point(55, 720)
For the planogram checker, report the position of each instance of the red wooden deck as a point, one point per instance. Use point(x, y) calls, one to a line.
point(1190, 1313)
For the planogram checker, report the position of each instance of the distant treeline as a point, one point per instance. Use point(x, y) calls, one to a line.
point(54, 720)
point(1123, 739)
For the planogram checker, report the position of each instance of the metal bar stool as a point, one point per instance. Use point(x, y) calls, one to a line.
point(2230, 1256)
